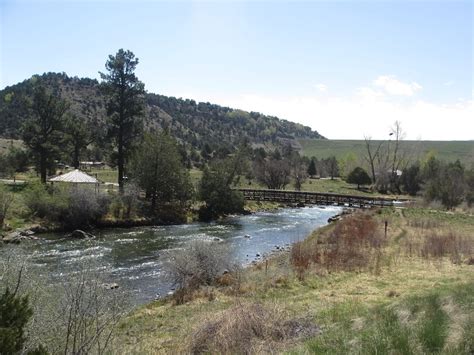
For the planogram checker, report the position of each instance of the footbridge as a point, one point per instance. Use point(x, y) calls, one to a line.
point(317, 198)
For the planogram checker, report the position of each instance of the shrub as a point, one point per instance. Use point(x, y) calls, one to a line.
point(300, 259)
point(130, 199)
point(354, 243)
point(234, 331)
point(15, 313)
point(71, 208)
point(215, 190)
point(246, 329)
point(358, 176)
point(45, 202)
point(84, 208)
point(77, 317)
point(6, 199)
point(198, 263)
point(436, 246)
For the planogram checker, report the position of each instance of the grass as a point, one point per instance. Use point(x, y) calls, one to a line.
point(413, 305)
point(445, 150)
point(6, 144)
point(105, 174)
point(337, 185)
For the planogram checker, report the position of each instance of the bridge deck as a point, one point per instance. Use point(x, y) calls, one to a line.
point(316, 198)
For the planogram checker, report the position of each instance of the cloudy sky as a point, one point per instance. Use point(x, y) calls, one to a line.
point(345, 68)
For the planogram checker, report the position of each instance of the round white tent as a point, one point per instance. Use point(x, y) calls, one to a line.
point(76, 176)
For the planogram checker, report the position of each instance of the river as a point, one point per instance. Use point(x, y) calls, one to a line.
point(133, 258)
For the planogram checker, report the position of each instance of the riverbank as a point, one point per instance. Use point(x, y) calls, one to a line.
point(411, 301)
point(29, 228)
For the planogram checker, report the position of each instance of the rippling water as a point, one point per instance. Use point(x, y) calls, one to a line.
point(133, 258)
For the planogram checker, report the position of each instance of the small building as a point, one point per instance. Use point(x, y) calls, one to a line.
point(76, 177)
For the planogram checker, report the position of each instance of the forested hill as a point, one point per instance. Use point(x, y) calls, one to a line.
point(192, 123)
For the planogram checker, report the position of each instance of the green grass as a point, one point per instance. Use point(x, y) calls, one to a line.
point(337, 185)
point(5, 144)
point(105, 175)
point(445, 150)
point(434, 321)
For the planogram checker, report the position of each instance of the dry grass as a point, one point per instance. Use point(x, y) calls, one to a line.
point(248, 328)
point(354, 244)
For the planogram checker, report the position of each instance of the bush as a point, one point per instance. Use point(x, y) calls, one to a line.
point(71, 208)
point(215, 190)
point(300, 258)
point(234, 331)
point(6, 199)
point(248, 329)
point(198, 263)
point(358, 176)
point(84, 208)
point(15, 313)
point(45, 202)
point(354, 243)
point(436, 246)
point(78, 316)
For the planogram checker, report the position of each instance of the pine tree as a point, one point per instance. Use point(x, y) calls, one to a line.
point(358, 176)
point(42, 132)
point(125, 106)
point(312, 168)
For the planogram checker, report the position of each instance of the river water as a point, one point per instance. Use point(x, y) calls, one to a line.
point(133, 258)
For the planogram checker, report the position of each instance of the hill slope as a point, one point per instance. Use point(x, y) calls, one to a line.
point(194, 124)
point(445, 150)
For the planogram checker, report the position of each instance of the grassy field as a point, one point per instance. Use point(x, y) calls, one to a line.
point(6, 144)
point(408, 304)
point(445, 150)
point(337, 185)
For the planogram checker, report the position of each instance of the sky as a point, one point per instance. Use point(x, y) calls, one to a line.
point(347, 69)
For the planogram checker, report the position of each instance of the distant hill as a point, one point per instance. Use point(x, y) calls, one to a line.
point(194, 124)
point(445, 150)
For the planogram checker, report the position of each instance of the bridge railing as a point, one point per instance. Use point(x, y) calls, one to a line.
point(307, 197)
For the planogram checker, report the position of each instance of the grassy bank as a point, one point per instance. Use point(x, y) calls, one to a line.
point(409, 303)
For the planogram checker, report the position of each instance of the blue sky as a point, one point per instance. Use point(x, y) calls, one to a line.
point(346, 68)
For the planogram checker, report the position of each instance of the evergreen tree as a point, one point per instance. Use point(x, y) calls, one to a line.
point(411, 179)
point(215, 189)
point(15, 313)
point(358, 176)
point(79, 136)
point(125, 106)
point(332, 167)
point(312, 168)
point(42, 132)
point(157, 168)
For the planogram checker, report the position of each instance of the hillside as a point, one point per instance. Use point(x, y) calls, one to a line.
point(192, 123)
point(444, 150)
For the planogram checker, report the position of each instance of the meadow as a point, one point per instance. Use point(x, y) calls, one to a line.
point(444, 150)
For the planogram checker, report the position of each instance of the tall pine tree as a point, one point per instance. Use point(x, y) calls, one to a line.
point(125, 106)
point(42, 132)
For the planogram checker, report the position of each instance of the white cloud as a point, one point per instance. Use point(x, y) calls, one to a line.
point(393, 86)
point(368, 113)
point(321, 87)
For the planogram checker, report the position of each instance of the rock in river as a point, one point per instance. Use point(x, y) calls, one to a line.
point(78, 234)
